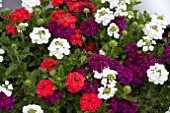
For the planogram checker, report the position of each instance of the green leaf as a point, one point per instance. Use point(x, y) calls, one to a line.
point(61, 71)
point(12, 67)
point(102, 108)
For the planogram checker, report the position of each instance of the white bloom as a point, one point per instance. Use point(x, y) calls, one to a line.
point(22, 27)
point(113, 30)
point(104, 16)
point(168, 111)
point(153, 30)
point(6, 88)
point(159, 19)
point(33, 107)
point(107, 91)
point(157, 74)
point(101, 52)
point(1, 59)
point(30, 4)
point(59, 47)
point(106, 76)
point(2, 51)
point(40, 35)
point(113, 3)
point(146, 43)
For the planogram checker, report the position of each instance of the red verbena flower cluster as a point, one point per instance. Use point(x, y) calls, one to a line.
point(44, 88)
point(57, 2)
point(47, 64)
point(91, 47)
point(74, 82)
point(19, 15)
point(75, 6)
point(90, 102)
point(63, 18)
point(76, 38)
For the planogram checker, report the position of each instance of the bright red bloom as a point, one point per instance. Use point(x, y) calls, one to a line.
point(74, 82)
point(76, 38)
point(56, 2)
point(63, 18)
point(90, 102)
point(20, 14)
point(47, 64)
point(91, 47)
point(44, 88)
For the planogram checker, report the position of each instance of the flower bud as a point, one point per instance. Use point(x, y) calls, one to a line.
point(127, 89)
point(53, 72)
point(141, 26)
point(83, 39)
point(135, 24)
point(86, 10)
point(37, 10)
point(27, 82)
point(6, 11)
point(40, 21)
point(113, 43)
point(14, 46)
point(124, 33)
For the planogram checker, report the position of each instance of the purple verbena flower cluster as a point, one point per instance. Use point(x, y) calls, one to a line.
point(123, 106)
point(166, 53)
point(6, 103)
point(52, 99)
point(82, 7)
point(89, 28)
point(60, 31)
point(91, 87)
point(119, 21)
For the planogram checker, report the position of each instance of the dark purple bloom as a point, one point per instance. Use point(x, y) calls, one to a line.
point(60, 31)
point(6, 103)
point(126, 106)
point(119, 21)
point(89, 28)
point(125, 75)
point(135, 61)
point(113, 105)
point(52, 99)
point(91, 87)
point(82, 9)
point(51, 26)
point(130, 47)
point(98, 62)
point(81, 70)
point(166, 53)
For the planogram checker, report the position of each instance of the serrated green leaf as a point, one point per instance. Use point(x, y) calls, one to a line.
point(12, 67)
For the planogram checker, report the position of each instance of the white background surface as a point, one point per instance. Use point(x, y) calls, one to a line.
point(152, 6)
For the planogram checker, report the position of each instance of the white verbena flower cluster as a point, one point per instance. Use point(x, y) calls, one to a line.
point(22, 27)
point(1, 53)
point(107, 77)
point(153, 31)
point(32, 109)
point(30, 4)
point(0, 3)
point(6, 88)
point(106, 15)
point(40, 35)
point(59, 47)
point(120, 7)
point(157, 74)
point(113, 30)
